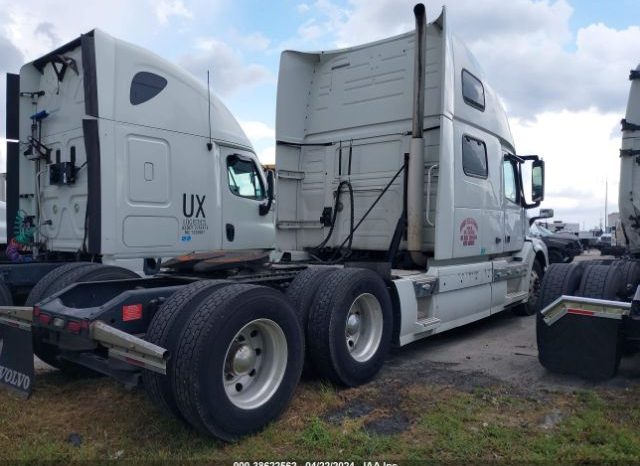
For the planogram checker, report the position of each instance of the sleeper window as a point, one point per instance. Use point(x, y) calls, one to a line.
point(145, 86)
point(472, 90)
point(474, 157)
point(244, 178)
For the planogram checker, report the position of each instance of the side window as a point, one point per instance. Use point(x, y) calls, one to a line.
point(244, 178)
point(472, 90)
point(474, 157)
point(145, 86)
point(510, 187)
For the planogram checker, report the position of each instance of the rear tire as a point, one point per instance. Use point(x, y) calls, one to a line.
point(631, 277)
point(39, 291)
point(57, 280)
point(165, 330)
point(351, 322)
point(238, 361)
point(601, 282)
point(301, 293)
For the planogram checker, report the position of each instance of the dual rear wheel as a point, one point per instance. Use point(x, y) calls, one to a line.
point(236, 357)
point(237, 350)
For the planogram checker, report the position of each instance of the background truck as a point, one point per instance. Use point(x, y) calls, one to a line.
point(90, 178)
point(399, 214)
point(590, 311)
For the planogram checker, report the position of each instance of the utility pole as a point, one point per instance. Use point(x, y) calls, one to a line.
point(606, 200)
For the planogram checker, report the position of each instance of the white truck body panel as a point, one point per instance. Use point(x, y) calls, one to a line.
point(629, 200)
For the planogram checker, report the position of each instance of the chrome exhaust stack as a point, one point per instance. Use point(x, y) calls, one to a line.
point(415, 176)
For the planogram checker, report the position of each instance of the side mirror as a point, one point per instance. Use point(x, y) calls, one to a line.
point(537, 181)
point(265, 208)
point(545, 213)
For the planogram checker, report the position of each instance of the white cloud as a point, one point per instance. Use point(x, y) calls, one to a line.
point(302, 8)
point(228, 71)
point(257, 130)
point(580, 153)
point(47, 30)
point(255, 41)
point(262, 137)
point(165, 9)
point(267, 156)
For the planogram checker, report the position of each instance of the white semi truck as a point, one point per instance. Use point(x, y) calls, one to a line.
point(399, 214)
point(590, 311)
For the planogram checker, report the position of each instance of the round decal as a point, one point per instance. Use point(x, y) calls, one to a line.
point(468, 231)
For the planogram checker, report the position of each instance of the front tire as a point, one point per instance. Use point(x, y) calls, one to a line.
point(535, 280)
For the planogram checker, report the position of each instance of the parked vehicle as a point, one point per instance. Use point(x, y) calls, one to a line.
point(562, 247)
point(399, 214)
point(590, 311)
point(589, 238)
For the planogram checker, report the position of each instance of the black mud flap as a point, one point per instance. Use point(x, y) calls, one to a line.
point(16, 359)
point(585, 346)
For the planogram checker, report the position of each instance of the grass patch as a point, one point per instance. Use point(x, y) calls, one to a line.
point(444, 423)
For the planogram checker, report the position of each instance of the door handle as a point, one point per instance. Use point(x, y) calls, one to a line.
point(498, 240)
point(507, 239)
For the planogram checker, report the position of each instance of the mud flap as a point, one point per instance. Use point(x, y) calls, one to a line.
point(581, 345)
point(16, 358)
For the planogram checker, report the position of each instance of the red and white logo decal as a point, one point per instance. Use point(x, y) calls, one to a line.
point(468, 231)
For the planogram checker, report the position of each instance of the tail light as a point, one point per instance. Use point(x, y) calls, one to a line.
point(44, 319)
point(76, 326)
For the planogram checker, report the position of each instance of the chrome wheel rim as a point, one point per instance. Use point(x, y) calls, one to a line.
point(363, 327)
point(254, 364)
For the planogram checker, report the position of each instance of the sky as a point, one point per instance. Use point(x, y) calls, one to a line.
point(561, 67)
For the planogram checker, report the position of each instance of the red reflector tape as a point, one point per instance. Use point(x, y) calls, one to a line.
point(131, 312)
point(580, 312)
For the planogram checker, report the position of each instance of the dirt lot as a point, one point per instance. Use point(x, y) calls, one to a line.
point(475, 393)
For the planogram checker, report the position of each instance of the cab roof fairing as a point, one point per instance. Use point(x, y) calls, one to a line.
point(456, 57)
point(108, 49)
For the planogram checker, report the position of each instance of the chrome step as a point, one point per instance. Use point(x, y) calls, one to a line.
point(427, 324)
point(515, 296)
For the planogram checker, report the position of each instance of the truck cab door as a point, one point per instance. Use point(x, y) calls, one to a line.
point(513, 211)
point(244, 190)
